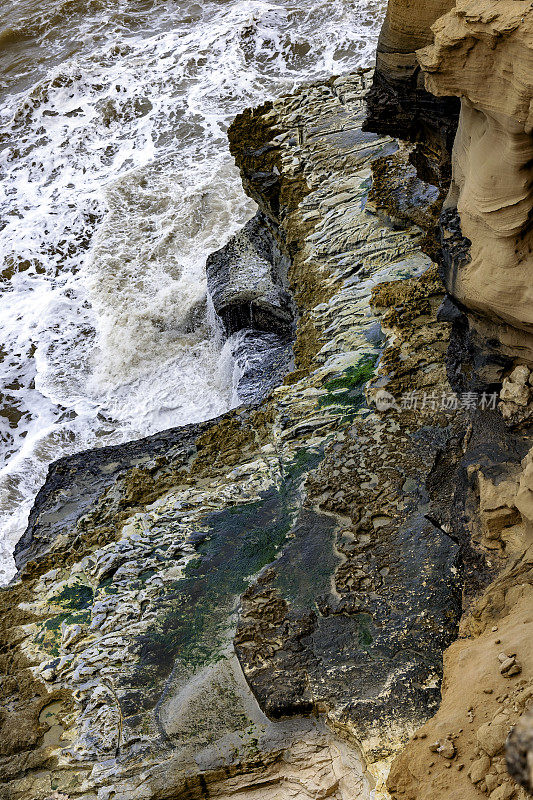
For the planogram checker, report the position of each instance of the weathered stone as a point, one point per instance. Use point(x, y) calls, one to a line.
point(247, 281)
point(520, 375)
point(139, 563)
point(515, 393)
point(492, 735)
point(399, 104)
point(479, 768)
point(482, 52)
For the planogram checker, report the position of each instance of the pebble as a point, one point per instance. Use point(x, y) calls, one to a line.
point(445, 748)
point(516, 669)
point(503, 792)
point(502, 657)
point(506, 665)
point(479, 769)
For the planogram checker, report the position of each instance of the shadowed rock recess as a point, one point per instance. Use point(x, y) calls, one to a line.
point(481, 740)
point(262, 605)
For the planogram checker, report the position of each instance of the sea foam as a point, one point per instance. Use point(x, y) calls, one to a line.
point(115, 184)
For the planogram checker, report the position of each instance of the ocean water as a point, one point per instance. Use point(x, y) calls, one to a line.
point(115, 184)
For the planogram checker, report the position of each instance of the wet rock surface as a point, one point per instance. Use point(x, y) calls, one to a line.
point(247, 281)
point(261, 361)
point(259, 605)
point(266, 596)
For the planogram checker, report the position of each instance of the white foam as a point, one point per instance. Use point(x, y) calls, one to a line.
point(115, 184)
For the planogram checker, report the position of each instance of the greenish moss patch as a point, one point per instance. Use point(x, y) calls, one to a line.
point(345, 394)
point(49, 637)
point(364, 636)
point(77, 596)
point(75, 599)
point(196, 610)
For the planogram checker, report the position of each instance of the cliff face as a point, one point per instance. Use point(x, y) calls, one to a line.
point(258, 605)
point(481, 52)
point(398, 102)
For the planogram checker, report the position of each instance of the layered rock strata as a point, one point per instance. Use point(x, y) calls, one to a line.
point(258, 605)
point(483, 52)
point(399, 103)
point(480, 52)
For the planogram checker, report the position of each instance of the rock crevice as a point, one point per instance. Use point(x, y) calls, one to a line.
point(477, 53)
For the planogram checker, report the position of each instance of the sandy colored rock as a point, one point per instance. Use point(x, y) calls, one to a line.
point(524, 496)
point(520, 375)
point(492, 735)
point(403, 32)
point(515, 393)
point(483, 53)
point(479, 769)
point(480, 723)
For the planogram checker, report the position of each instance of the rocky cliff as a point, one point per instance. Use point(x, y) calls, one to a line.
point(259, 604)
point(481, 54)
point(337, 575)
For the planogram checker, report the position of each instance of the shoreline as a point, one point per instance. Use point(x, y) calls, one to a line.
point(354, 552)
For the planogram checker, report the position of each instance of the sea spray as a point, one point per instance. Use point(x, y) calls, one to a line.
point(115, 185)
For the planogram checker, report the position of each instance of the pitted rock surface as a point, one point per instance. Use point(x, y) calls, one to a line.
point(266, 595)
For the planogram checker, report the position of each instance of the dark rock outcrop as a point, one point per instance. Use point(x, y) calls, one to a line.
point(398, 102)
point(247, 280)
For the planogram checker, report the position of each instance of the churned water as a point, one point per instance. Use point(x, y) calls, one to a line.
point(115, 184)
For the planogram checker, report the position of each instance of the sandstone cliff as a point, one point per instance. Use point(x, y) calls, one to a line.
point(481, 52)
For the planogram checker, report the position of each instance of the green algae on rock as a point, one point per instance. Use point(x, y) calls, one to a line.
point(259, 602)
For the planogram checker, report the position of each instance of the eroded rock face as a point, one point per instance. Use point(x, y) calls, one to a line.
point(258, 605)
point(483, 53)
point(399, 103)
point(247, 281)
point(480, 51)
point(488, 671)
